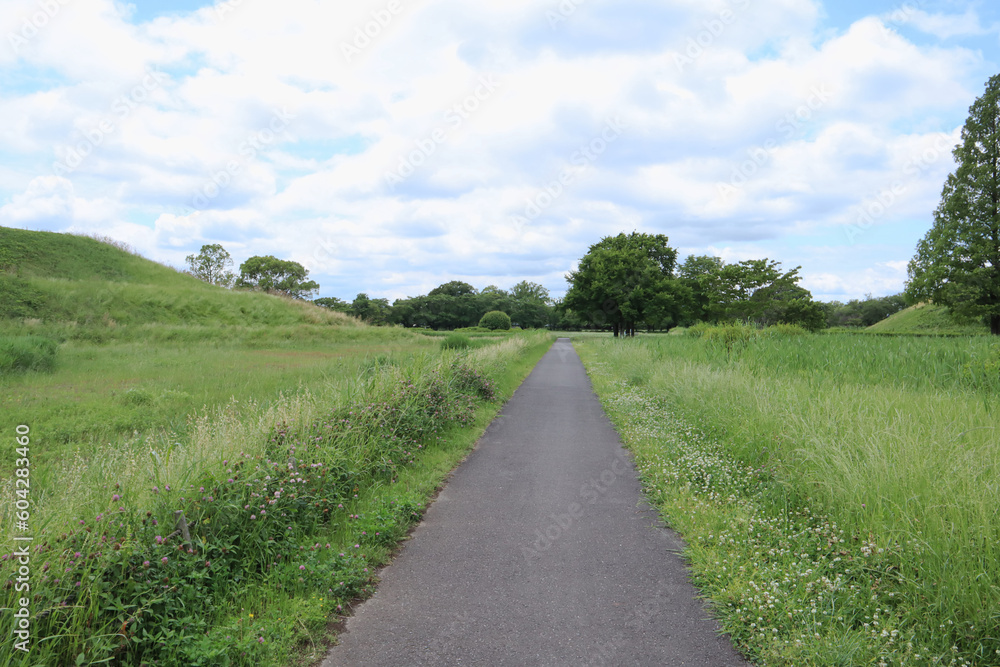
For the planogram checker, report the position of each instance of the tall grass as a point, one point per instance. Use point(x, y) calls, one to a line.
point(26, 353)
point(262, 488)
point(893, 440)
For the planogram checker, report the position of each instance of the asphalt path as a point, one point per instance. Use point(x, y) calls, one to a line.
point(539, 551)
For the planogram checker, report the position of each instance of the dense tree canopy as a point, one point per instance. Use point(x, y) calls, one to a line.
point(372, 311)
point(957, 263)
point(271, 274)
point(626, 281)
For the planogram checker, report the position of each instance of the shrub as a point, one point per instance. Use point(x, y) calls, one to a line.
point(782, 330)
point(495, 320)
point(732, 337)
point(455, 342)
point(697, 330)
point(26, 353)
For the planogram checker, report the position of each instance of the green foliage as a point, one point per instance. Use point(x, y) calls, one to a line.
point(455, 288)
point(270, 274)
point(455, 341)
point(783, 329)
point(333, 303)
point(863, 313)
point(956, 263)
point(495, 321)
point(625, 281)
point(733, 338)
point(19, 354)
point(372, 311)
point(983, 373)
point(211, 264)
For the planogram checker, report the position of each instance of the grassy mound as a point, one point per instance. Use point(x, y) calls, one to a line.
point(927, 318)
point(61, 278)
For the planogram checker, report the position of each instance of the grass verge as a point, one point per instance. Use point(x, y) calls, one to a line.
point(832, 519)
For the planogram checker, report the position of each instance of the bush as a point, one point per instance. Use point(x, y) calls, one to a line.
point(26, 353)
point(731, 337)
point(495, 320)
point(455, 342)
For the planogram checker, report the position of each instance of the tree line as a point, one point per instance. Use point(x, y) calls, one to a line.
point(622, 284)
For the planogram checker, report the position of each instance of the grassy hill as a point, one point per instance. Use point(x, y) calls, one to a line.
point(927, 318)
point(77, 281)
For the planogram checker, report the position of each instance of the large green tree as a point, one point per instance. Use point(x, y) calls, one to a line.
point(957, 263)
point(211, 265)
point(271, 274)
point(529, 307)
point(624, 281)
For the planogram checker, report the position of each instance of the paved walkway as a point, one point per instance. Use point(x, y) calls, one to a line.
point(539, 551)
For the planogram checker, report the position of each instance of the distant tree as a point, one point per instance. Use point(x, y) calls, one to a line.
point(496, 320)
point(333, 303)
point(750, 289)
point(957, 263)
point(271, 274)
point(372, 311)
point(210, 265)
point(529, 305)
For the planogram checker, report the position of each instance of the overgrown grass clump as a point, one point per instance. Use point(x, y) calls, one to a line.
point(837, 493)
point(237, 543)
point(19, 354)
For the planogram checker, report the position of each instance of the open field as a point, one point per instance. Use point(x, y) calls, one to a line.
point(839, 493)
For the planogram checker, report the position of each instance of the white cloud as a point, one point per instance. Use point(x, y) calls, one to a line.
point(825, 120)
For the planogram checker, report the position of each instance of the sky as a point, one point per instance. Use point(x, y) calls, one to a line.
point(391, 146)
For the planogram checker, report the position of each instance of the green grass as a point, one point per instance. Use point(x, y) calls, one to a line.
point(928, 319)
point(368, 441)
point(83, 288)
point(838, 493)
point(105, 391)
point(19, 354)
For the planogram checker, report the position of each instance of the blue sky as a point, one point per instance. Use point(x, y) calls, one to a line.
point(394, 146)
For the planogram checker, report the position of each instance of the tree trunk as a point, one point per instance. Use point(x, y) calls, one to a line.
point(995, 325)
point(615, 325)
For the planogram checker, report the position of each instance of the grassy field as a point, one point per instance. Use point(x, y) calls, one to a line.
point(839, 493)
point(343, 443)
